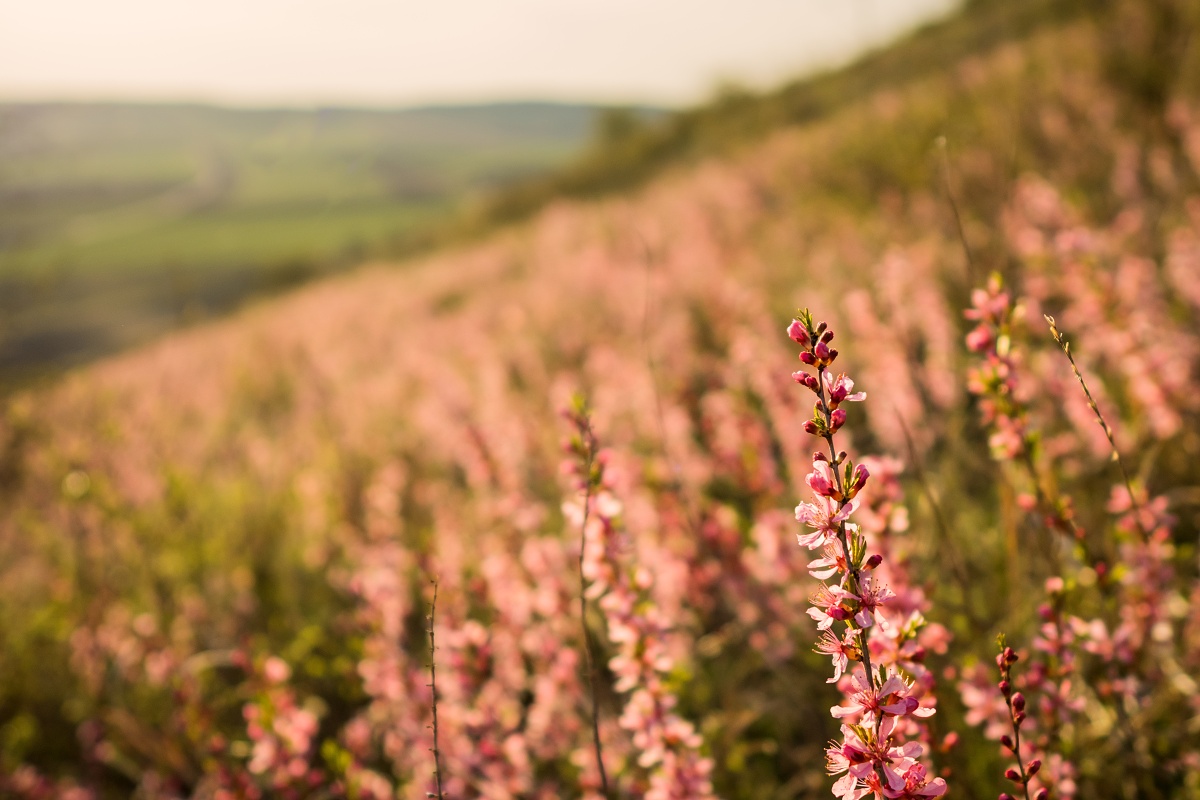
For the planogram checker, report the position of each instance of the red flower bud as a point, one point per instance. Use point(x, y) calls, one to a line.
point(873, 562)
point(1032, 767)
point(1007, 741)
point(837, 419)
point(808, 358)
point(810, 427)
point(1018, 701)
point(1042, 794)
point(1005, 687)
point(1012, 775)
point(1005, 796)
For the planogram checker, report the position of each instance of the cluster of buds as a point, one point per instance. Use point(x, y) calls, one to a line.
point(994, 380)
point(872, 757)
point(1024, 771)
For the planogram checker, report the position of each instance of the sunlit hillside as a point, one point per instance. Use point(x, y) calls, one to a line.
point(219, 551)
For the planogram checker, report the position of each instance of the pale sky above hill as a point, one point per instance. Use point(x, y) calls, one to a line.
point(402, 51)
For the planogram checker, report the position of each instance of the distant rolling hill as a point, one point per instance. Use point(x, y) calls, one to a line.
point(118, 221)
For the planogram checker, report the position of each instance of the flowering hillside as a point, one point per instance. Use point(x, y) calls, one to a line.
point(220, 554)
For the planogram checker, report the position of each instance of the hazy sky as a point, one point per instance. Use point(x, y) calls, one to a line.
point(402, 51)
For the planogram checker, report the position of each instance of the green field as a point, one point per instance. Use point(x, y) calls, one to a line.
point(120, 221)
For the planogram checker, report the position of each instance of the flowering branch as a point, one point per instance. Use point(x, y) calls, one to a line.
point(1015, 701)
point(872, 753)
point(996, 382)
point(584, 446)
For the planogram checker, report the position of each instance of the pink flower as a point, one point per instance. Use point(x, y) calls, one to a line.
point(852, 756)
point(840, 389)
point(841, 650)
point(870, 599)
point(822, 480)
point(825, 517)
point(912, 782)
point(832, 561)
point(980, 339)
point(276, 670)
point(892, 698)
point(826, 606)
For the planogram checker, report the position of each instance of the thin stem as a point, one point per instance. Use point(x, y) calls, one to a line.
point(962, 233)
point(437, 754)
point(1116, 454)
point(589, 444)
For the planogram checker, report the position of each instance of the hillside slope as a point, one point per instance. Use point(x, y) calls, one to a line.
point(284, 483)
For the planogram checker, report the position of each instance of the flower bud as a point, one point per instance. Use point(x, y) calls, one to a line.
point(1019, 717)
point(827, 337)
point(821, 351)
point(820, 456)
point(1032, 767)
point(1018, 701)
point(1005, 796)
point(797, 332)
point(861, 474)
point(979, 339)
point(810, 427)
point(837, 419)
point(1012, 775)
point(1042, 794)
point(808, 358)
point(873, 562)
point(1007, 741)
point(1005, 687)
